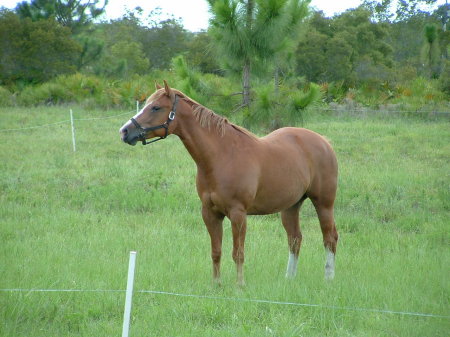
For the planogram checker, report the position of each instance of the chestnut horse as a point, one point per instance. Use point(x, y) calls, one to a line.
point(239, 174)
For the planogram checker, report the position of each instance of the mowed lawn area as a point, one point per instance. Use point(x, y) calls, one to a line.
point(69, 220)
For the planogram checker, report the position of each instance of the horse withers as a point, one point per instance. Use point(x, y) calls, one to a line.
point(239, 174)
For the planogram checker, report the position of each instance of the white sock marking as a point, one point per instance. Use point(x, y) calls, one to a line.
point(291, 270)
point(329, 266)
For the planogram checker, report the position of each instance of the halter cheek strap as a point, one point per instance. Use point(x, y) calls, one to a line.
point(144, 131)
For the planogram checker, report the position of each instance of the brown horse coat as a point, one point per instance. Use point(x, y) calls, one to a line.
point(240, 174)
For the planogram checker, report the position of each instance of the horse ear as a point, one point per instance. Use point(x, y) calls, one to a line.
point(167, 88)
point(157, 86)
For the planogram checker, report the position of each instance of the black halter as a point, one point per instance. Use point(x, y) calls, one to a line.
point(144, 131)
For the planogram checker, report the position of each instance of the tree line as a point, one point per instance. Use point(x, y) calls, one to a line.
point(253, 41)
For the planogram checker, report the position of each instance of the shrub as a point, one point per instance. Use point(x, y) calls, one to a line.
point(444, 79)
point(420, 94)
point(47, 93)
point(312, 94)
point(33, 96)
point(35, 51)
point(334, 91)
point(79, 87)
point(6, 97)
point(126, 93)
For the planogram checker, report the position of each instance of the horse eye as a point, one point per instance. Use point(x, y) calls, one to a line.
point(156, 108)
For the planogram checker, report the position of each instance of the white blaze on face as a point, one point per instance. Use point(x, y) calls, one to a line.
point(329, 265)
point(291, 270)
point(142, 110)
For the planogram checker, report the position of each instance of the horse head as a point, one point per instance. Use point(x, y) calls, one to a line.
point(154, 118)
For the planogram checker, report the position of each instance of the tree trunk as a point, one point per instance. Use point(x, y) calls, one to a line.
point(247, 63)
point(276, 79)
point(246, 83)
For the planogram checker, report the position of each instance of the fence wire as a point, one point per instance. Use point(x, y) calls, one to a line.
point(359, 111)
point(232, 299)
point(66, 121)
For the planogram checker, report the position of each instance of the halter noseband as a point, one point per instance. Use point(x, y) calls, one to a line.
point(144, 131)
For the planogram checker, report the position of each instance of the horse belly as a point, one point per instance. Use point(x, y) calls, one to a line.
point(278, 193)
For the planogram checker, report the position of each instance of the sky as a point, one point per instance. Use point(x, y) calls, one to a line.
point(194, 14)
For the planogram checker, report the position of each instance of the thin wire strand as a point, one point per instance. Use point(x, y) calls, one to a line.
point(35, 127)
point(315, 109)
point(232, 299)
point(107, 117)
point(66, 121)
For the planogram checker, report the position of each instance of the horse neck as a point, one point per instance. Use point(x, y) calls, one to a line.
point(205, 145)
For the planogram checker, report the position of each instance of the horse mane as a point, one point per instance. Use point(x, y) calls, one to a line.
point(209, 119)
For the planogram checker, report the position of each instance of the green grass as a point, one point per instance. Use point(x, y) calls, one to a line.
point(68, 221)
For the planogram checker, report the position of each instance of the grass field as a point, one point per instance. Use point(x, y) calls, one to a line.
point(68, 221)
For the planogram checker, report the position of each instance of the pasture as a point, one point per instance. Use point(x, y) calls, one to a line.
point(68, 221)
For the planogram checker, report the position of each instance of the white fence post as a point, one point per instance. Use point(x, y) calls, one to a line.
point(129, 295)
point(73, 131)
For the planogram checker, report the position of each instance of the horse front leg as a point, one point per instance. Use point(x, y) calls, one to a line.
point(213, 222)
point(238, 218)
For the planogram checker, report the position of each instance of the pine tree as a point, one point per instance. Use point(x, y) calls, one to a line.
point(75, 14)
point(430, 50)
point(249, 31)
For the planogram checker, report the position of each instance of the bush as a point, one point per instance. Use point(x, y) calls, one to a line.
point(444, 79)
point(334, 91)
point(89, 91)
point(300, 100)
point(47, 94)
point(79, 87)
point(35, 51)
point(6, 97)
point(126, 93)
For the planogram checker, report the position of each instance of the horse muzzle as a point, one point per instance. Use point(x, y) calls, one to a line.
point(129, 135)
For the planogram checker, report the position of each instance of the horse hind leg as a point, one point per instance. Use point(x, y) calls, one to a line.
point(290, 220)
point(325, 214)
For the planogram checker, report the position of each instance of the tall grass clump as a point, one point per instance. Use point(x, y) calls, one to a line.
point(6, 97)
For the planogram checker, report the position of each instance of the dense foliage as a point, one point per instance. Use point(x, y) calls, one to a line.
point(34, 51)
point(280, 48)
